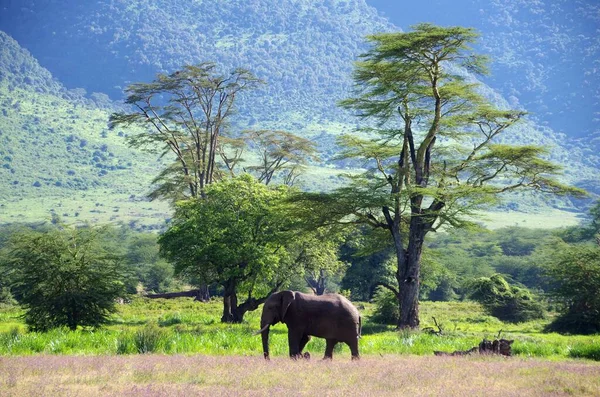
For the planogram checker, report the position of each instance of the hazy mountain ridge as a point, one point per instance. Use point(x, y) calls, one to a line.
point(18, 68)
point(547, 55)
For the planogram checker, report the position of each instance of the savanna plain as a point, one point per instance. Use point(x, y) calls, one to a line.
point(179, 347)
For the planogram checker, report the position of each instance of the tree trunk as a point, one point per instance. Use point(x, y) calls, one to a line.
point(234, 313)
point(317, 285)
point(230, 307)
point(409, 276)
point(408, 299)
point(195, 293)
point(203, 293)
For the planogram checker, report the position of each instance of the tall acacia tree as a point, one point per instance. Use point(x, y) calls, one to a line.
point(280, 153)
point(185, 114)
point(431, 149)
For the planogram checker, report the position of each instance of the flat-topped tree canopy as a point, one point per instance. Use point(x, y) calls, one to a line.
point(431, 146)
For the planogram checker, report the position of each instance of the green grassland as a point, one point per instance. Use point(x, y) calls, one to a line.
point(182, 326)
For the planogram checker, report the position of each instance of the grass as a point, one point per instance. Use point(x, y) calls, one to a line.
point(179, 348)
point(178, 375)
point(182, 326)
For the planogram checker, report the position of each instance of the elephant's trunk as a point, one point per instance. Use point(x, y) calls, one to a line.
point(265, 341)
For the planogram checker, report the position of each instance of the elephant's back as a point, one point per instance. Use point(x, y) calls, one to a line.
point(333, 317)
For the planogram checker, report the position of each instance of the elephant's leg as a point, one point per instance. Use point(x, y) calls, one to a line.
point(294, 343)
point(330, 344)
point(354, 348)
point(303, 341)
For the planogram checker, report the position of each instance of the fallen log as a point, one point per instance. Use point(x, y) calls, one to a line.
point(195, 293)
point(497, 346)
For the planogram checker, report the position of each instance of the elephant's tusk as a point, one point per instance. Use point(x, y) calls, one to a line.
point(262, 329)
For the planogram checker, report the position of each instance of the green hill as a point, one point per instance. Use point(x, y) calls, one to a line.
point(57, 155)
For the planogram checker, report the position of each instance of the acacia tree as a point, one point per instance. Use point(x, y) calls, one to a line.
point(317, 253)
point(431, 148)
point(234, 237)
point(280, 152)
point(185, 114)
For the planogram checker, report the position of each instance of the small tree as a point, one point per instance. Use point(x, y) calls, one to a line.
point(63, 278)
point(506, 302)
point(280, 153)
point(575, 281)
point(233, 237)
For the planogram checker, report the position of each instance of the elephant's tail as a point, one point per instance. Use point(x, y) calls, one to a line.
point(359, 327)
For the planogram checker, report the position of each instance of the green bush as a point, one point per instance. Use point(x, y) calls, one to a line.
point(6, 297)
point(575, 279)
point(125, 344)
point(505, 302)
point(148, 339)
point(386, 307)
point(170, 319)
point(63, 278)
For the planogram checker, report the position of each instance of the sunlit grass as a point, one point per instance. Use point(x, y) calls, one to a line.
point(183, 326)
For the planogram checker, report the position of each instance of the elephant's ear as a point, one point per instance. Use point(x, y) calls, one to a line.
point(287, 297)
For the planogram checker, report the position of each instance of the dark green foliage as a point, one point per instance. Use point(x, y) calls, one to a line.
point(145, 264)
point(236, 237)
point(6, 296)
point(575, 281)
point(506, 302)
point(471, 254)
point(369, 263)
point(64, 278)
point(386, 307)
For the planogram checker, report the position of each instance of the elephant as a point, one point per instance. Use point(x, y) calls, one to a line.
point(329, 316)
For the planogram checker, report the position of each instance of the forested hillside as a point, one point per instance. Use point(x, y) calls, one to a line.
point(304, 51)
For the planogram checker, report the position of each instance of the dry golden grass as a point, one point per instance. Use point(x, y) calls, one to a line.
point(155, 375)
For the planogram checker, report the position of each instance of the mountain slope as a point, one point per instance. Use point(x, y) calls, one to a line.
point(302, 49)
point(56, 153)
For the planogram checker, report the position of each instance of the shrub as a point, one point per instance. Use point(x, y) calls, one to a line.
point(507, 303)
point(6, 297)
point(63, 278)
point(125, 344)
point(148, 339)
point(590, 351)
point(170, 319)
point(386, 307)
point(576, 277)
